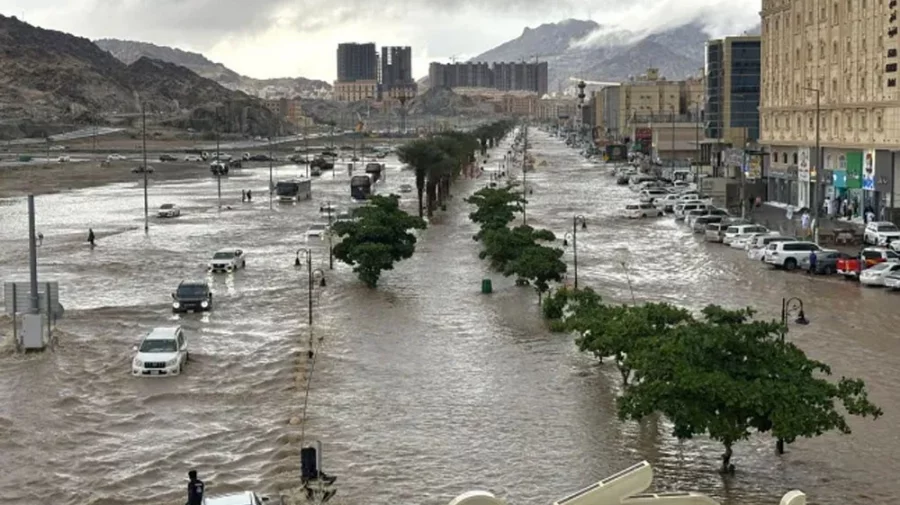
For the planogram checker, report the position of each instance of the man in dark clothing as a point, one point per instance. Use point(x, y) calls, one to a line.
point(91, 236)
point(195, 489)
point(813, 261)
point(249, 196)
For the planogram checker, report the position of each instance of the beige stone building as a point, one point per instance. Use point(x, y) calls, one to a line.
point(355, 91)
point(844, 52)
point(290, 110)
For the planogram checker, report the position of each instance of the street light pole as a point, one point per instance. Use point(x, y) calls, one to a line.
point(789, 306)
point(673, 137)
point(330, 242)
point(525, 175)
point(271, 181)
point(819, 171)
point(146, 168)
point(218, 166)
point(310, 278)
point(576, 220)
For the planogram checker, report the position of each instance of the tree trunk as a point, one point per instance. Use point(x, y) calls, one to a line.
point(431, 197)
point(727, 467)
point(779, 446)
point(439, 189)
point(420, 190)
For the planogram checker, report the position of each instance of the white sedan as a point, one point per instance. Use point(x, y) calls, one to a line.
point(876, 275)
point(316, 231)
point(168, 210)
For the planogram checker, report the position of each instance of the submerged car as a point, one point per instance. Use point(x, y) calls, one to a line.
point(243, 498)
point(192, 296)
point(168, 210)
point(227, 260)
point(876, 275)
point(162, 352)
point(316, 231)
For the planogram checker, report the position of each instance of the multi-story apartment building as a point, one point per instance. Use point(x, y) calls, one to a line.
point(356, 91)
point(503, 76)
point(289, 110)
point(841, 55)
point(396, 73)
point(357, 62)
point(732, 90)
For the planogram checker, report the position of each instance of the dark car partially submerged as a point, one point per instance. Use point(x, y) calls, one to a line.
point(192, 296)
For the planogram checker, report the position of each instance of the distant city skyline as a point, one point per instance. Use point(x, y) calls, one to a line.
point(284, 38)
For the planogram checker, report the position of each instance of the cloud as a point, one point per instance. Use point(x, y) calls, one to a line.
point(269, 38)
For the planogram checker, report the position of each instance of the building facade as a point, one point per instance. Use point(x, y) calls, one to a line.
point(289, 110)
point(396, 72)
point(843, 57)
point(357, 62)
point(356, 91)
point(733, 74)
point(502, 76)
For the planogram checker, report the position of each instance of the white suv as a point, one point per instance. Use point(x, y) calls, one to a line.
point(162, 352)
point(227, 260)
point(881, 233)
point(789, 255)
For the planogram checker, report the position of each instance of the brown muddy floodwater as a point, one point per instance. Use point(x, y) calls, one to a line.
point(424, 388)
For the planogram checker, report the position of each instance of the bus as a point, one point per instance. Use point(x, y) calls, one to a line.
point(293, 190)
point(361, 187)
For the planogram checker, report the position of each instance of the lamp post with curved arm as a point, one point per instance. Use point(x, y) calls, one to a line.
point(573, 235)
point(312, 276)
point(790, 307)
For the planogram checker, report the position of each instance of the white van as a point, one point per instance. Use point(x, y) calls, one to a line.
point(682, 210)
point(740, 231)
point(639, 210)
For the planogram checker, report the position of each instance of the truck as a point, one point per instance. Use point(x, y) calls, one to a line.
point(374, 170)
point(293, 190)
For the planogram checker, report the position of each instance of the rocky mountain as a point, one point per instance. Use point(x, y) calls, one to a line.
point(587, 50)
point(48, 77)
point(287, 87)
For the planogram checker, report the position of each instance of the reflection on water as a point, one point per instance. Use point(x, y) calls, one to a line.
point(425, 387)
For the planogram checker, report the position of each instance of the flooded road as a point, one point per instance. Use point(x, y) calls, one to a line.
point(425, 388)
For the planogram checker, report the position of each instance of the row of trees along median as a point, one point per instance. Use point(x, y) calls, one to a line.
point(439, 158)
point(522, 250)
point(722, 373)
point(381, 233)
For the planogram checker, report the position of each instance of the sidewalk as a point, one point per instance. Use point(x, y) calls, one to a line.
point(774, 217)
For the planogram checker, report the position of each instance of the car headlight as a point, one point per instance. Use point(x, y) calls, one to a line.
point(175, 305)
point(204, 304)
point(172, 362)
point(138, 363)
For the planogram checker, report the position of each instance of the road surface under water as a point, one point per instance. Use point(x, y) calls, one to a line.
point(423, 388)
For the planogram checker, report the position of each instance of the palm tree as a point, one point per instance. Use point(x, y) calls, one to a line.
point(423, 155)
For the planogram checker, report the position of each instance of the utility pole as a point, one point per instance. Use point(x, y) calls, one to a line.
point(218, 166)
point(271, 181)
point(699, 154)
point(306, 146)
point(819, 172)
point(32, 260)
point(673, 138)
point(146, 168)
point(525, 174)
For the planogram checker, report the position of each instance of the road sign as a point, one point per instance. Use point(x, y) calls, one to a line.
point(18, 295)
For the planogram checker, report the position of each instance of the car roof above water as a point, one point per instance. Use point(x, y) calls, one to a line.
point(242, 498)
point(162, 333)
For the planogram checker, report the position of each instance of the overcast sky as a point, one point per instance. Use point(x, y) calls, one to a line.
point(275, 38)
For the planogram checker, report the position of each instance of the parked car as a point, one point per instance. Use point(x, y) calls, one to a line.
point(140, 169)
point(193, 157)
point(757, 249)
point(64, 159)
point(788, 255)
point(242, 498)
point(641, 210)
point(406, 188)
point(875, 275)
point(715, 232)
point(650, 195)
point(668, 202)
point(316, 230)
point(699, 224)
point(850, 267)
point(167, 157)
point(881, 233)
point(115, 157)
point(227, 260)
point(162, 352)
point(681, 210)
point(892, 281)
point(218, 168)
point(168, 210)
point(742, 230)
point(192, 296)
point(826, 262)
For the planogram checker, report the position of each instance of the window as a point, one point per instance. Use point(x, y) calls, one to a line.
point(795, 158)
point(862, 83)
point(784, 157)
point(863, 120)
point(878, 123)
point(834, 51)
point(837, 122)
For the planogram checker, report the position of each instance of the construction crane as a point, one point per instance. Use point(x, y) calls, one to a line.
point(454, 59)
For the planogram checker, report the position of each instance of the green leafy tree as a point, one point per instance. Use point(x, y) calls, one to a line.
point(728, 376)
point(619, 331)
point(540, 265)
point(504, 245)
point(566, 302)
point(494, 208)
point(377, 239)
point(424, 156)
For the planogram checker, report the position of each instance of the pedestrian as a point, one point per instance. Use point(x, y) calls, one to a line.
point(243, 196)
point(804, 222)
point(869, 215)
point(813, 261)
point(40, 238)
point(195, 489)
point(250, 195)
point(91, 236)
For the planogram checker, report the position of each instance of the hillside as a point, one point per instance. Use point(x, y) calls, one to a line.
point(587, 50)
point(49, 77)
point(287, 87)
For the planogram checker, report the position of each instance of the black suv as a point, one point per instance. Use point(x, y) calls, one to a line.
point(192, 296)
